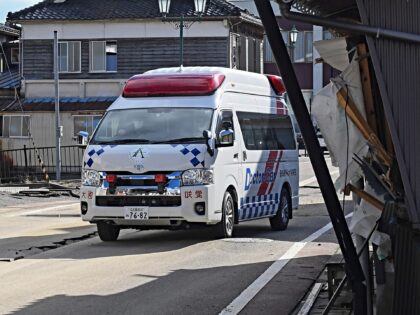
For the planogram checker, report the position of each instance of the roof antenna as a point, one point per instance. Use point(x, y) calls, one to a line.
point(181, 68)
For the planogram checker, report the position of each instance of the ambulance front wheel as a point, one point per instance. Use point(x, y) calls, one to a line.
point(225, 227)
point(280, 221)
point(108, 232)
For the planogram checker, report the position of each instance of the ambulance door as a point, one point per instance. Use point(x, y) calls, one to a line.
point(227, 160)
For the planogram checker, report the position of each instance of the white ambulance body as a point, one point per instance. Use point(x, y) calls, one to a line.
point(201, 145)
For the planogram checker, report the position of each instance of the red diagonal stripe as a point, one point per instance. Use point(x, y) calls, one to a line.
point(275, 173)
point(269, 165)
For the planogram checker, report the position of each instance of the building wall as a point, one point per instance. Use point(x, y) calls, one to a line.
point(134, 56)
point(398, 65)
point(120, 29)
point(42, 128)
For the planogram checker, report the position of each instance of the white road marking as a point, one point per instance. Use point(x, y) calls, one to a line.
point(43, 210)
point(252, 290)
point(313, 179)
point(311, 299)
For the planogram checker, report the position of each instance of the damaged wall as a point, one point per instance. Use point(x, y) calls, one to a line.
point(400, 66)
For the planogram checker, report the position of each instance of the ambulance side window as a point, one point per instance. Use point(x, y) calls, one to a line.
point(225, 119)
point(266, 131)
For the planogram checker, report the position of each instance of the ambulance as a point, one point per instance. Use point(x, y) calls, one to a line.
point(192, 146)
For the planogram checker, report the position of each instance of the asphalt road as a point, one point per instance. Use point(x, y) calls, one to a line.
point(159, 272)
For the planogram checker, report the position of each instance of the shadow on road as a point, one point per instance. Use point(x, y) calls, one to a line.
point(196, 291)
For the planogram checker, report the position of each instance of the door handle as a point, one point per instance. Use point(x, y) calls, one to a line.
point(236, 155)
point(244, 156)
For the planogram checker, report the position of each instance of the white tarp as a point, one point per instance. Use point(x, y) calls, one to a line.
point(333, 52)
point(342, 135)
point(331, 120)
point(364, 220)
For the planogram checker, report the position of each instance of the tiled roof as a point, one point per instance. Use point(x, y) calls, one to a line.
point(10, 80)
point(119, 9)
point(46, 100)
point(9, 30)
point(67, 104)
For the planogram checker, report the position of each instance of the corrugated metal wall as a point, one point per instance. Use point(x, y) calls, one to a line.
point(407, 271)
point(400, 64)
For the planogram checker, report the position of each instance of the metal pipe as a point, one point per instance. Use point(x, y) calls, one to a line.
point(57, 112)
point(181, 38)
point(362, 29)
point(353, 267)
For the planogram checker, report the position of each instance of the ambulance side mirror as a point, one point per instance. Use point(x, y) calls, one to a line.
point(82, 138)
point(226, 137)
point(208, 135)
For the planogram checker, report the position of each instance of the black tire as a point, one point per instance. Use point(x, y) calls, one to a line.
point(225, 228)
point(108, 232)
point(280, 221)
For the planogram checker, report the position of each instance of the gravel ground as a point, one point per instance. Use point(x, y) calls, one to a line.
point(10, 197)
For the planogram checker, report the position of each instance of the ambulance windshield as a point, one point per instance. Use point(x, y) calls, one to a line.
point(153, 126)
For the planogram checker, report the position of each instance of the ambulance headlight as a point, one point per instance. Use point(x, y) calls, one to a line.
point(91, 178)
point(197, 177)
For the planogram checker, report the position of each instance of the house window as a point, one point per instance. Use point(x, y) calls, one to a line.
point(86, 123)
point(14, 56)
point(238, 52)
point(69, 56)
point(16, 126)
point(103, 56)
point(303, 48)
point(268, 53)
point(302, 51)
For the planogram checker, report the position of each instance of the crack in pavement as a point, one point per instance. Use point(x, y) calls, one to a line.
point(23, 253)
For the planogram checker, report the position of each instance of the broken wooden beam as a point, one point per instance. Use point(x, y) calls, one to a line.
point(359, 121)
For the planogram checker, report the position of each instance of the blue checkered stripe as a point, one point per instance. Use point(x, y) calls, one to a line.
point(194, 154)
point(259, 206)
point(96, 152)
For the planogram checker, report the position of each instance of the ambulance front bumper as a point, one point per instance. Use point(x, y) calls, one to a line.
point(163, 210)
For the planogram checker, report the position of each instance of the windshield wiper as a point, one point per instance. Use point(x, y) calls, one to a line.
point(124, 141)
point(184, 140)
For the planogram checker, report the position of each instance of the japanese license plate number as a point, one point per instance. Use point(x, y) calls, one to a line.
point(136, 213)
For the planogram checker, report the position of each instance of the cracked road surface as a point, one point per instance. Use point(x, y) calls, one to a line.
point(155, 272)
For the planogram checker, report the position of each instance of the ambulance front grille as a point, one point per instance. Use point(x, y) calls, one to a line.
point(132, 201)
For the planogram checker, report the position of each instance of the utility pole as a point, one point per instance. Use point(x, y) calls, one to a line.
point(57, 113)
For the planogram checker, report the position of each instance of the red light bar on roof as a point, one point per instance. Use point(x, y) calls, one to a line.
point(276, 83)
point(172, 84)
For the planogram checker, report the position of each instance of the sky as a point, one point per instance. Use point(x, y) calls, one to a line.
point(7, 6)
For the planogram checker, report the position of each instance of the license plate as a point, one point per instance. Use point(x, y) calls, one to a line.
point(136, 213)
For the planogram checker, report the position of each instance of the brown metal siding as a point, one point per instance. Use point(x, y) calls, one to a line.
point(400, 64)
point(134, 56)
point(37, 59)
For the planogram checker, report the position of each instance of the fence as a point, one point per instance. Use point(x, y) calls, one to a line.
point(20, 164)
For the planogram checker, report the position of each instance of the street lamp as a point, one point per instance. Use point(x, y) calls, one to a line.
point(293, 34)
point(164, 6)
point(200, 7)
